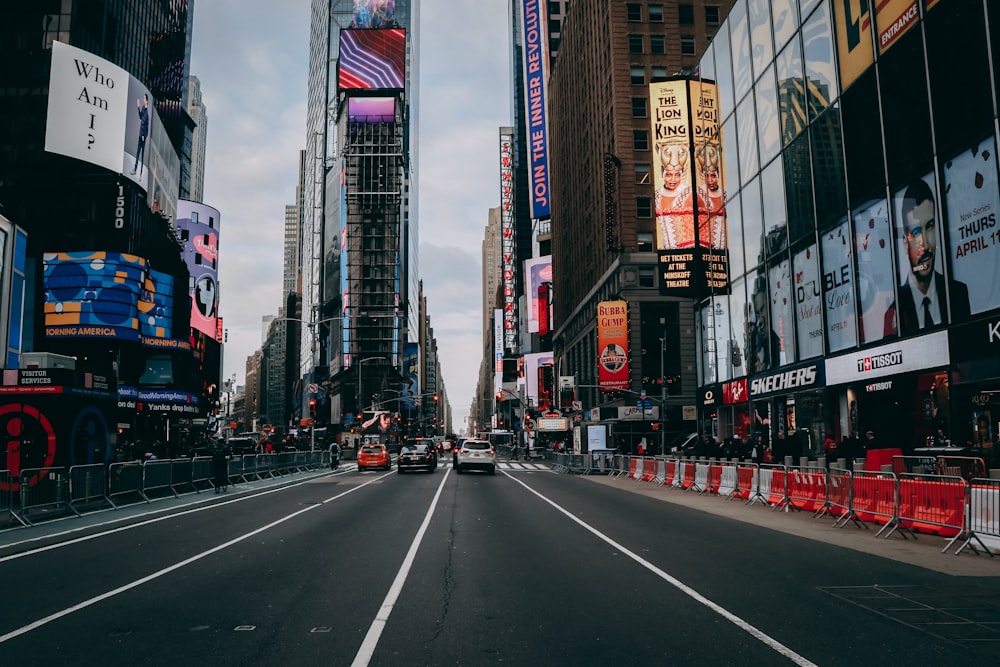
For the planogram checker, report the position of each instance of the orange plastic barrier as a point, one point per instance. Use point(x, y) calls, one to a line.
point(776, 493)
point(689, 471)
point(876, 458)
point(744, 481)
point(874, 496)
point(714, 478)
point(648, 470)
point(806, 489)
point(671, 475)
point(933, 504)
point(633, 467)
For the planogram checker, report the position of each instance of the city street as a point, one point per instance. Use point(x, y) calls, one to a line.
point(524, 567)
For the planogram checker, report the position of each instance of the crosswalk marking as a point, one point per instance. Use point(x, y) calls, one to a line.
point(514, 466)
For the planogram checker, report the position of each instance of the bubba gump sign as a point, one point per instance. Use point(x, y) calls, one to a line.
point(612, 344)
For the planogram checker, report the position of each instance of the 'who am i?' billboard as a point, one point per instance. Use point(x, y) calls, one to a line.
point(508, 246)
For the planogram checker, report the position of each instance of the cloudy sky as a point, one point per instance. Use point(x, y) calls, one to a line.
point(252, 57)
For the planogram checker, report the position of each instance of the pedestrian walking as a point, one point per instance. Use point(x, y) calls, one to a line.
point(334, 455)
point(220, 466)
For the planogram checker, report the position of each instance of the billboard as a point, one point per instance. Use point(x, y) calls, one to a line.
point(372, 59)
point(838, 287)
point(102, 294)
point(537, 273)
point(533, 388)
point(873, 253)
point(972, 203)
point(689, 183)
point(371, 109)
point(612, 345)
point(921, 294)
point(892, 19)
point(374, 14)
point(508, 238)
point(534, 36)
point(198, 227)
point(853, 25)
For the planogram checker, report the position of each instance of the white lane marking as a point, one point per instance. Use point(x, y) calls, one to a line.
point(754, 632)
point(367, 649)
point(176, 566)
point(200, 506)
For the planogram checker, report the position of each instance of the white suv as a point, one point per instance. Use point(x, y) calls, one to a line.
point(476, 454)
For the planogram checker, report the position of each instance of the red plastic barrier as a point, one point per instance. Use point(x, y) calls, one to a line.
point(874, 496)
point(689, 471)
point(776, 494)
point(648, 470)
point(744, 481)
point(671, 474)
point(933, 504)
point(714, 478)
point(634, 468)
point(806, 489)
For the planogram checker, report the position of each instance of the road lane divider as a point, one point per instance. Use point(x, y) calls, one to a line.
point(367, 649)
point(176, 566)
point(747, 627)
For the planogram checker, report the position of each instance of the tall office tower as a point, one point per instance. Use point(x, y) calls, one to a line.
point(602, 157)
point(105, 282)
point(199, 138)
point(359, 234)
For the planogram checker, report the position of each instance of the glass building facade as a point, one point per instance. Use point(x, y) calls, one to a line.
point(861, 197)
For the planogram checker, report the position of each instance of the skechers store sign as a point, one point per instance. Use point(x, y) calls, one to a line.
point(787, 381)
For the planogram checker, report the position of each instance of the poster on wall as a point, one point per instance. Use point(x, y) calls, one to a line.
point(808, 303)
point(763, 345)
point(537, 272)
point(972, 203)
point(922, 301)
point(876, 280)
point(782, 319)
point(612, 345)
point(838, 288)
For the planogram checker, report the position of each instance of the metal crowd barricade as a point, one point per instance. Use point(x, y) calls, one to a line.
point(837, 495)
point(561, 462)
point(125, 479)
point(966, 467)
point(983, 518)
point(806, 488)
point(746, 481)
point(933, 503)
point(201, 471)
point(156, 477)
point(700, 483)
point(621, 465)
point(7, 488)
point(181, 474)
point(874, 499)
point(43, 489)
point(728, 480)
point(87, 485)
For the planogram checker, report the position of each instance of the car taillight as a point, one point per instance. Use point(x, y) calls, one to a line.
point(492, 453)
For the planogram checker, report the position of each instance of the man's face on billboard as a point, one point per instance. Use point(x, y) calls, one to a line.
point(920, 232)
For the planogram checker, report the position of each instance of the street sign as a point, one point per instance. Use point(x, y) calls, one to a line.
point(578, 406)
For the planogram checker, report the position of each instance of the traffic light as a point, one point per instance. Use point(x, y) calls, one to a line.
point(312, 407)
point(435, 399)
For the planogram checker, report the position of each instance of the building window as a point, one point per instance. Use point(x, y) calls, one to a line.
point(638, 75)
point(685, 14)
point(657, 44)
point(639, 107)
point(644, 207)
point(656, 13)
point(555, 25)
point(634, 10)
point(712, 14)
point(687, 45)
point(554, 8)
point(640, 140)
point(659, 73)
point(646, 273)
point(642, 173)
point(635, 43)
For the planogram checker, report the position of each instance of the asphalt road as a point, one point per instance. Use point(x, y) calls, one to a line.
point(527, 567)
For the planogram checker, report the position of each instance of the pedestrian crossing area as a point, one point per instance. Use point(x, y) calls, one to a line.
point(515, 466)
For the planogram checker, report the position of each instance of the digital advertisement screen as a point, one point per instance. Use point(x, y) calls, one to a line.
point(371, 109)
point(372, 59)
point(92, 294)
point(198, 226)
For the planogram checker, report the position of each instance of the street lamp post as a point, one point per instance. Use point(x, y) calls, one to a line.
point(663, 396)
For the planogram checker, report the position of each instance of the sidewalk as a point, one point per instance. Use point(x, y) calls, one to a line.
point(111, 517)
point(923, 552)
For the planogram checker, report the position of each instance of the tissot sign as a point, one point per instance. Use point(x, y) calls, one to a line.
point(789, 380)
point(915, 354)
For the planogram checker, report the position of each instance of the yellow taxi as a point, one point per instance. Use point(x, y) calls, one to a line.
point(374, 456)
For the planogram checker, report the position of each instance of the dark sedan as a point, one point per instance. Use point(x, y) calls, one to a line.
point(416, 456)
